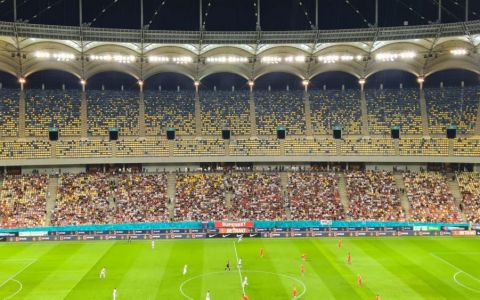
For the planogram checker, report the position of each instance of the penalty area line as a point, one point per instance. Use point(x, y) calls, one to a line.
point(12, 278)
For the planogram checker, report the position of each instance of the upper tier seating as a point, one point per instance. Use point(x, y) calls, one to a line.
point(23, 201)
point(9, 100)
point(423, 146)
point(373, 196)
point(112, 109)
point(457, 106)
point(169, 109)
point(222, 109)
point(276, 108)
point(387, 108)
point(52, 108)
point(368, 146)
point(430, 198)
point(331, 108)
point(314, 196)
point(256, 196)
point(31, 149)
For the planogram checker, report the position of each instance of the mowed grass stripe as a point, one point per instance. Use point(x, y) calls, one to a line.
point(176, 255)
point(392, 281)
point(55, 272)
point(273, 261)
point(420, 272)
point(333, 272)
point(117, 260)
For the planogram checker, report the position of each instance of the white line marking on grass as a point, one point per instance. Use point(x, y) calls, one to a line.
point(17, 291)
point(11, 278)
point(459, 271)
point(248, 271)
point(238, 267)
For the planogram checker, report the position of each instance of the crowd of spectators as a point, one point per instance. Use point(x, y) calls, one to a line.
point(373, 195)
point(469, 184)
point(84, 199)
point(23, 201)
point(200, 197)
point(141, 198)
point(430, 198)
point(314, 196)
point(256, 196)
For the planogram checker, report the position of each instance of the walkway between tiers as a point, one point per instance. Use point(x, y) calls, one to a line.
point(171, 192)
point(455, 190)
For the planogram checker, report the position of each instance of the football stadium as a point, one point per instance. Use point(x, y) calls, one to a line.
point(239, 149)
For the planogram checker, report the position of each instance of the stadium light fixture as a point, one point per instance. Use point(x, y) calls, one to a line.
point(226, 59)
point(459, 52)
point(271, 60)
point(362, 81)
point(58, 56)
point(83, 82)
point(196, 83)
point(251, 83)
point(305, 82)
point(420, 80)
point(392, 56)
point(158, 59)
point(140, 82)
point(22, 80)
point(119, 58)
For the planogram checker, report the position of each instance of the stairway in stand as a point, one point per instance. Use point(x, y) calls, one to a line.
point(455, 190)
point(342, 190)
point(51, 198)
point(403, 195)
point(171, 192)
point(284, 190)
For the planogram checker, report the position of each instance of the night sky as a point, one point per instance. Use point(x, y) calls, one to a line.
point(227, 15)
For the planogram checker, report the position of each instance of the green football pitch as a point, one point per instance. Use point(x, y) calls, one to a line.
point(394, 268)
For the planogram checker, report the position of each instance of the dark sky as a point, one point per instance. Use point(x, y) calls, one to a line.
point(231, 15)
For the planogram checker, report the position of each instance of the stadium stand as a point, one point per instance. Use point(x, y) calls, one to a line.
point(23, 201)
point(199, 147)
point(32, 149)
point(142, 147)
point(9, 115)
point(83, 148)
point(373, 196)
point(223, 109)
point(331, 107)
point(466, 147)
point(256, 196)
point(469, 184)
point(141, 198)
point(277, 108)
point(169, 109)
point(314, 196)
point(52, 108)
point(112, 109)
point(430, 198)
point(399, 107)
point(83, 199)
point(310, 146)
point(255, 146)
point(200, 197)
point(423, 146)
point(452, 105)
point(368, 146)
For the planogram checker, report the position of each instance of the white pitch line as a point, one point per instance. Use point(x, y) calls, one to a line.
point(17, 291)
point(457, 273)
point(239, 271)
point(16, 274)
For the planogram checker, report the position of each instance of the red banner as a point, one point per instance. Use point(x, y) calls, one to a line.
point(222, 224)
